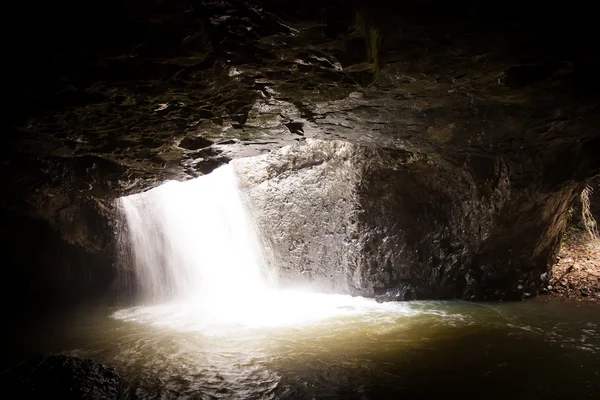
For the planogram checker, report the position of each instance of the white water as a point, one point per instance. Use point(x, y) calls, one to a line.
point(194, 237)
point(199, 262)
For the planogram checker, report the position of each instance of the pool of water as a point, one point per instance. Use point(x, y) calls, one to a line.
point(349, 349)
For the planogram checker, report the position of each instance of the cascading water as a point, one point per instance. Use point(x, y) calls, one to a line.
point(198, 261)
point(194, 238)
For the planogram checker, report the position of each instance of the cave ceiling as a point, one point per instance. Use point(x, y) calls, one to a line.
point(130, 93)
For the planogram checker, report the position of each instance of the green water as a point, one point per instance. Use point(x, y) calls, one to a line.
point(412, 350)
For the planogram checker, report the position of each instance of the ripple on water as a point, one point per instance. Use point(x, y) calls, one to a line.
point(353, 348)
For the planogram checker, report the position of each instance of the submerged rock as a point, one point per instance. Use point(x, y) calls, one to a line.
point(62, 377)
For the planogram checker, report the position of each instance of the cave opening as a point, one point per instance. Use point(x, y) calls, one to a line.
point(194, 259)
point(246, 283)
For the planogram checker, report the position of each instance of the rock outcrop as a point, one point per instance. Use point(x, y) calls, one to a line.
point(396, 225)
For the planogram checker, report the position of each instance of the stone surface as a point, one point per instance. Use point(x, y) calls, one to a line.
point(122, 85)
point(62, 377)
point(399, 225)
point(108, 98)
point(305, 202)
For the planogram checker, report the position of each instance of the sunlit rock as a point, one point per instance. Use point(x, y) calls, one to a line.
point(402, 225)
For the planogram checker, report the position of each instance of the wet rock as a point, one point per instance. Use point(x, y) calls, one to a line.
point(399, 225)
point(396, 294)
point(194, 143)
point(62, 377)
point(296, 127)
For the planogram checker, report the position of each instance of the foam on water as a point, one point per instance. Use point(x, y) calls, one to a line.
point(267, 310)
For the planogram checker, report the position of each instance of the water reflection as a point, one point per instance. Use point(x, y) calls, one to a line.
point(413, 350)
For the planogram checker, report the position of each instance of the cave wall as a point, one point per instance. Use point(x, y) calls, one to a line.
point(495, 112)
point(338, 217)
point(402, 225)
point(58, 232)
point(43, 272)
point(424, 221)
point(486, 120)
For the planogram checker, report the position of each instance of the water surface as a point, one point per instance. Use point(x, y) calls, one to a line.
point(364, 350)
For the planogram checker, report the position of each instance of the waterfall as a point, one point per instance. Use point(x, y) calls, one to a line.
point(199, 265)
point(193, 239)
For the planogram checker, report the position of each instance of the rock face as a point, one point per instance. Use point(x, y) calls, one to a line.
point(305, 202)
point(128, 95)
point(402, 225)
point(62, 377)
point(496, 106)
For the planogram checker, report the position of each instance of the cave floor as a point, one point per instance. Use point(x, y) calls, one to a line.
point(576, 273)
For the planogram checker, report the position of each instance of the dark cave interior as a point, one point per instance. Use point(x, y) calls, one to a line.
point(421, 150)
